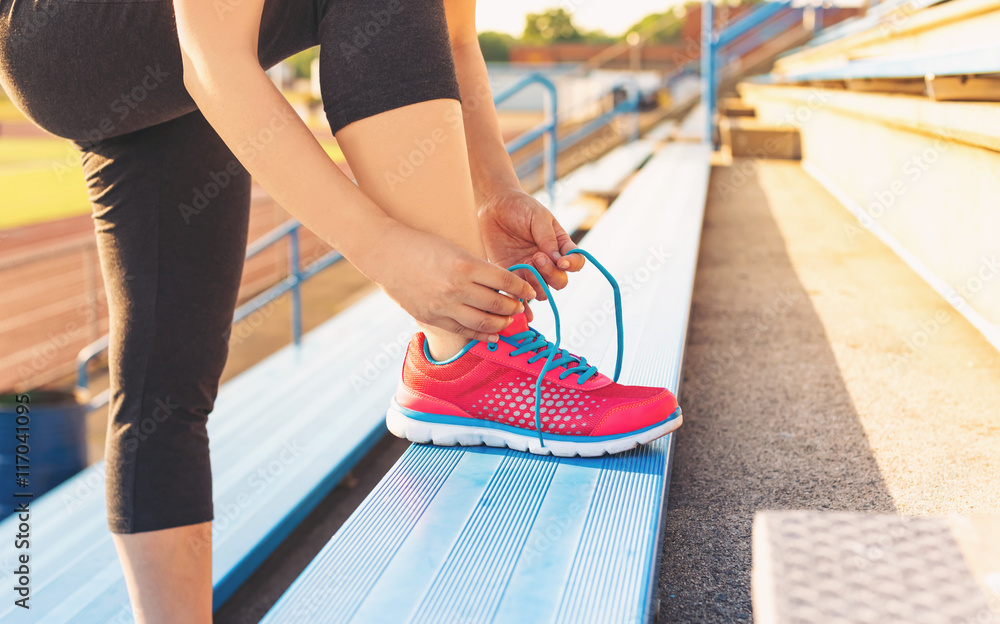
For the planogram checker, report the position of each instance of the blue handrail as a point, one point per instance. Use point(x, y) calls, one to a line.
point(296, 276)
point(548, 126)
point(755, 21)
point(708, 49)
point(756, 16)
point(628, 106)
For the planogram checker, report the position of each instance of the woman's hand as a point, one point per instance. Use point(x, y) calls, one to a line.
point(441, 284)
point(517, 228)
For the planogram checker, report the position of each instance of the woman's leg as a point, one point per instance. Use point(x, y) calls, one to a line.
point(413, 162)
point(171, 208)
point(391, 97)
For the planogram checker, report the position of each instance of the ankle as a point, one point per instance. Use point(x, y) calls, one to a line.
point(443, 345)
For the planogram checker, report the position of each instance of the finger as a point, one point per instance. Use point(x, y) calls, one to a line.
point(491, 301)
point(544, 234)
point(552, 274)
point(572, 262)
point(454, 327)
point(479, 321)
point(533, 281)
point(492, 276)
point(528, 314)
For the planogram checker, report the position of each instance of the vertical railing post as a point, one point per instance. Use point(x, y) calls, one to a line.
point(708, 53)
point(552, 149)
point(295, 272)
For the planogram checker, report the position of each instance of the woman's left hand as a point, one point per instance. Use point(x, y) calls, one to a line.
point(517, 228)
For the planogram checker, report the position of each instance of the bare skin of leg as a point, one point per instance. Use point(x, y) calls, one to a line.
point(413, 162)
point(169, 574)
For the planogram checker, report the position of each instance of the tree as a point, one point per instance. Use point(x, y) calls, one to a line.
point(495, 46)
point(552, 26)
point(659, 27)
point(302, 62)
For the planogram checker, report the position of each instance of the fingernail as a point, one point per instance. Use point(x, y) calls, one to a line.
point(534, 295)
point(540, 260)
point(564, 264)
point(520, 307)
point(494, 339)
point(556, 256)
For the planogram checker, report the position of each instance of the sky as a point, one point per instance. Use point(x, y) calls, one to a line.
point(611, 16)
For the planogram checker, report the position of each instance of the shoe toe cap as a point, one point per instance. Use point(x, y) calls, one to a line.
point(637, 415)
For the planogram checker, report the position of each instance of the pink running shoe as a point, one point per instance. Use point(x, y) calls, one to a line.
point(488, 394)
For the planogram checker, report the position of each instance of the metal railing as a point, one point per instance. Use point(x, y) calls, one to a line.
point(297, 275)
point(292, 283)
point(555, 145)
point(748, 32)
point(548, 127)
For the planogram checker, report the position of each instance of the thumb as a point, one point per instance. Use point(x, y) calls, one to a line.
point(544, 233)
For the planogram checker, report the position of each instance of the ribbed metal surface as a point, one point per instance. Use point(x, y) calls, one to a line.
point(664, 131)
point(694, 125)
point(282, 434)
point(604, 175)
point(509, 537)
point(477, 567)
point(850, 568)
point(608, 174)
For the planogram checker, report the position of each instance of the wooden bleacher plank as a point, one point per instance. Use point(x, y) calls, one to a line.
point(299, 416)
point(536, 538)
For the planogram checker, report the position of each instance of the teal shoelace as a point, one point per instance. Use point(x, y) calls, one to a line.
point(532, 340)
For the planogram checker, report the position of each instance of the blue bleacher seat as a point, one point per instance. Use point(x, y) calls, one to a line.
point(283, 434)
point(492, 535)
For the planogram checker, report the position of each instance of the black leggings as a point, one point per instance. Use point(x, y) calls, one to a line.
point(107, 74)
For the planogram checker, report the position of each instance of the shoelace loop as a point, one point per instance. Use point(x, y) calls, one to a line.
point(532, 340)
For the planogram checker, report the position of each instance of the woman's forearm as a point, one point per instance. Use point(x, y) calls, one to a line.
point(281, 153)
point(492, 171)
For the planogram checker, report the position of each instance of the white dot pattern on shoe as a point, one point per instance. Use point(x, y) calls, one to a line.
point(513, 402)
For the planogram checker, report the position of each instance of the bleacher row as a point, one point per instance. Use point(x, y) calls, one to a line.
point(450, 534)
point(910, 77)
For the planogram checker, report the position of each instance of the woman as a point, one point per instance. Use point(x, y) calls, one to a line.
point(164, 98)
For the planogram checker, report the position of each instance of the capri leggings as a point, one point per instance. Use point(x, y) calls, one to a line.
point(107, 74)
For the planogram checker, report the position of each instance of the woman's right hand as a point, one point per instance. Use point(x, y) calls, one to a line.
point(439, 283)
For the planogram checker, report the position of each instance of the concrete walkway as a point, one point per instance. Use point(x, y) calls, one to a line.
point(821, 373)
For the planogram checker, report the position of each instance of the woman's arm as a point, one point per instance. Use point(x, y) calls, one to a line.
point(516, 227)
point(431, 279)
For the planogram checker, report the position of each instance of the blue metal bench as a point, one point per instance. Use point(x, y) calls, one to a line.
point(283, 434)
point(604, 175)
point(490, 535)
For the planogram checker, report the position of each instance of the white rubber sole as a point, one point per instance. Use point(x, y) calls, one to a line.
point(440, 434)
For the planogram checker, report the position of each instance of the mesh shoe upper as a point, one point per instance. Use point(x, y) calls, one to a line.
point(490, 384)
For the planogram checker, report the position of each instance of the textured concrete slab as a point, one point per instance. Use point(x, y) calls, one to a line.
point(821, 373)
point(850, 568)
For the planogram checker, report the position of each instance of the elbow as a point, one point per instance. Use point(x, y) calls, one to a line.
point(192, 78)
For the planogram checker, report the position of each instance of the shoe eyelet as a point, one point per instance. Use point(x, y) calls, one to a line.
point(493, 346)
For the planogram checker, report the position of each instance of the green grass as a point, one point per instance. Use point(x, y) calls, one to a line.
point(41, 180)
point(8, 112)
